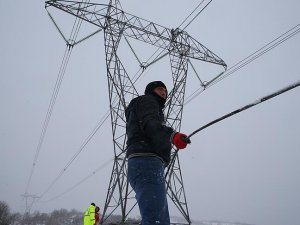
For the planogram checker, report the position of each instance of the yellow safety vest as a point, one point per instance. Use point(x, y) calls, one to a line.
point(89, 215)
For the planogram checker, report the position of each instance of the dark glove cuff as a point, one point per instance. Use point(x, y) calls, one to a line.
point(172, 136)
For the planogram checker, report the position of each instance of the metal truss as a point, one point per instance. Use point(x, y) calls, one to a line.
point(134, 27)
point(181, 47)
point(178, 52)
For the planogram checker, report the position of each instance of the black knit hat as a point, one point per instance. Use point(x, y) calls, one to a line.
point(152, 85)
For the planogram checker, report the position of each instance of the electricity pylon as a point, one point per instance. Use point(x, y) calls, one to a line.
point(180, 47)
point(28, 204)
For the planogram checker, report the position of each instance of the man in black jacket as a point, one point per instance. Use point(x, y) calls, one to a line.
point(149, 144)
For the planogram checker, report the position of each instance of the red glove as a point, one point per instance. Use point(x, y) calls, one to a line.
point(180, 140)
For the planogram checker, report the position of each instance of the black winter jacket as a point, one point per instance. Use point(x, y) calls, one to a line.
point(147, 134)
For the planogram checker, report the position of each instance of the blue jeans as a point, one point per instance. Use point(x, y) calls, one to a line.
point(146, 177)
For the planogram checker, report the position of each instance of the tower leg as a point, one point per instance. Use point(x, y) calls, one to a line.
point(121, 91)
point(174, 110)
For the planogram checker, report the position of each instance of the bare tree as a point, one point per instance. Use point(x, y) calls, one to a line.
point(6, 217)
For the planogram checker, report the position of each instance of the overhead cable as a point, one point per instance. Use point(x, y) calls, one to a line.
point(266, 48)
point(259, 101)
point(104, 118)
point(159, 57)
point(102, 166)
point(195, 15)
point(191, 13)
point(49, 112)
point(86, 141)
point(62, 70)
point(269, 46)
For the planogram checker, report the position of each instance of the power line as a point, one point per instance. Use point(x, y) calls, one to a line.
point(266, 48)
point(191, 13)
point(61, 73)
point(259, 101)
point(269, 46)
point(104, 118)
point(195, 15)
point(49, 112)
point(81, 181)
point(86, 141)
point(158, 57)
point(145, 65)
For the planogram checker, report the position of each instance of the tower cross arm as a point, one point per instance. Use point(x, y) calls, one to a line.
point(199, 51)
point(103, 15)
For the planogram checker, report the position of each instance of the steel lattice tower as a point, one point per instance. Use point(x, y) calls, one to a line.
point(180, 46)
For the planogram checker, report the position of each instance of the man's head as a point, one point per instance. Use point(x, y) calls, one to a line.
point(158, 88)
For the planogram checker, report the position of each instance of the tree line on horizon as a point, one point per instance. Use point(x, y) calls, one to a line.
point(74, 217)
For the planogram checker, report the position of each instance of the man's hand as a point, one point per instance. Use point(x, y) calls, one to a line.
point(181, 140)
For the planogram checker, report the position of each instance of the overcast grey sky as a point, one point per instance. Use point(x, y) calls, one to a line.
point(246, 168)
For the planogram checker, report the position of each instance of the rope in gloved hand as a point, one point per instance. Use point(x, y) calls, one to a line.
point(261, 100)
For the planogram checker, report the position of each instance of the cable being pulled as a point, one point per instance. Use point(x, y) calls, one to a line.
point(259, 101)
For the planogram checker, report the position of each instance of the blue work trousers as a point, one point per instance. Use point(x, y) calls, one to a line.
point(146, 177)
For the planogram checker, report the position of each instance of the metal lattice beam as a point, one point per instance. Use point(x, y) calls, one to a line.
point(121, 91)
point(135, 27)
